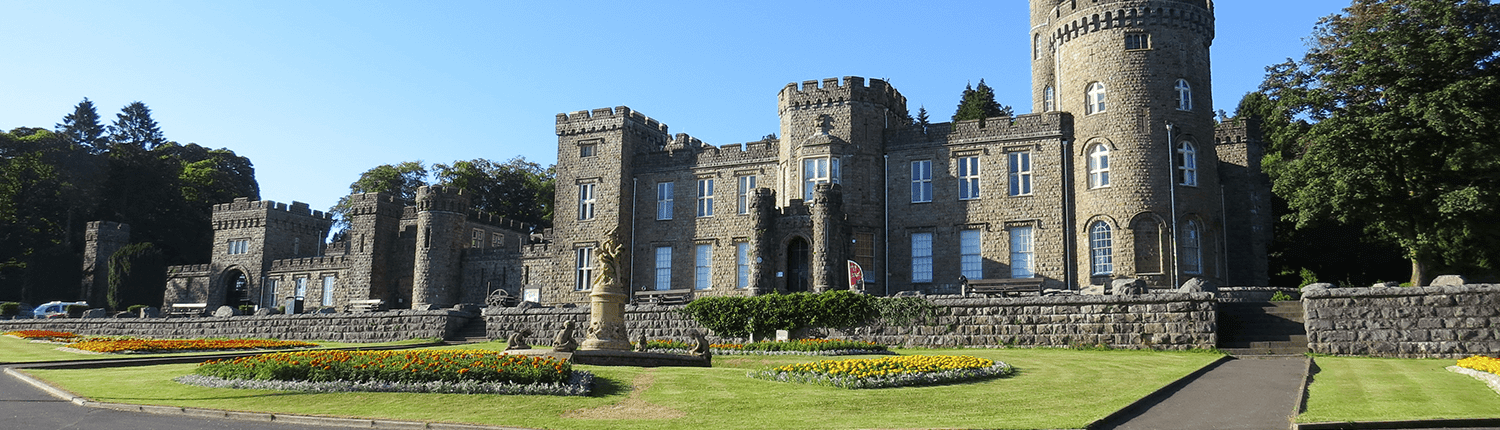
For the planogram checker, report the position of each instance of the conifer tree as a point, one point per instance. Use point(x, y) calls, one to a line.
point(82, 128)
point(134, 128)
point(979, 103)
point(922, 120)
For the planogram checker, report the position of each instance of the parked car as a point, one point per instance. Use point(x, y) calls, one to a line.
point(54, 309)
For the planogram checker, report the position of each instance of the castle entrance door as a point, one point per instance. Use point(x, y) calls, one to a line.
point(239, 289)
point(798, 265)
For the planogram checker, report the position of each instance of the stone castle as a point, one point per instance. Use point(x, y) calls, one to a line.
point(1121, 172)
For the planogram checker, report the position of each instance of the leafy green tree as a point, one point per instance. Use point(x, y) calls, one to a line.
point(1389, 122)
point(134, 128)
point(45, 189)
point(82, 127)
point(517, 189)
point(401, 180)
point(136, 275)
point(979, 103)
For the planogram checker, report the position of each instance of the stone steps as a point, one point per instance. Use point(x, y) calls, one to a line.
point(473, 331)
point(1262, 328)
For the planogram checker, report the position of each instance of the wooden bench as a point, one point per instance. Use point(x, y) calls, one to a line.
point(1002, 286)
point(664, 297)
point(362, 306)
point(186, 310)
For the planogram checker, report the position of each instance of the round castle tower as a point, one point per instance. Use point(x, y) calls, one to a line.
point(1135, 75)
point(441, 213)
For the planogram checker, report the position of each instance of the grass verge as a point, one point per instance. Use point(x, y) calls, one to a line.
point(1052, 389)
point(13, 350)
point(1394, 389)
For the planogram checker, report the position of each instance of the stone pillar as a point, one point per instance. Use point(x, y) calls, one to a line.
point(828, 242)
point(762, 244)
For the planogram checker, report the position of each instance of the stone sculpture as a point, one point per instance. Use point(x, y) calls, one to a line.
point(564, 342)
point(640, 343)
point(517, 339)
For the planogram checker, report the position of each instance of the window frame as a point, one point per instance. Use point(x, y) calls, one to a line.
point(586, 200)
point(1023, 248)
point(1098, 164)
point(746, 187)
point(663, 273)
point(703, 266)
point(586, 150)
point(921, 257)
point(1101, 249)
point(328, 286)
point(1142, 41)
point(971, 253)
point(1184, 95)
point(921, 181)
point(1096, 96)
point(664, 197)
point(1049, 99)
point(742, 264)
point(968, 173)
point(827, 172)
point(583, 268)
point(1018, 164)
point(1192, 248)
point(705, 197)
point(1187, 164)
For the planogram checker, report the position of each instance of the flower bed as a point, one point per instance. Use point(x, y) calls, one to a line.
point(129, 345)
point(1481, 363)
point(452, 371)
point(887, 372)
point(47, 335)
point(793, 347)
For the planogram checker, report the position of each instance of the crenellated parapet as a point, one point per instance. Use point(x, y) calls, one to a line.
point(189, 270)
point(493, 220)
point(1236, 130)
point(831, 91)
point(438, 198)
point(296, 208)
point(310, 264)
point(1074, 21)
point(372, 203)
point(702, 155)
point(608, 119)
point(1024, 127)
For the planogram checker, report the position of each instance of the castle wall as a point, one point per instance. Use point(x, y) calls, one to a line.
point(363, 327)
point(248, 236)
point(101, 239)
point(1247, 202)
point(1420, 322)
point(187, 284)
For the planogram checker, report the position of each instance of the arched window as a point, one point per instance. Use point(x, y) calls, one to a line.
point(1192, 248)
point(1049, 99)
point(1184, 95)
point(1094, 103)
point(1101, 249)
point(1187, 164)
point(1099, 166)
point(1147, 246)
point(1036, 46)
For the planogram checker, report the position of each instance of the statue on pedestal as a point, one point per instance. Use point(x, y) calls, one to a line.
point(607, 301)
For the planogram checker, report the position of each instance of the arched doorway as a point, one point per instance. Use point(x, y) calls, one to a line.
point(239, 289)
point(798, 266)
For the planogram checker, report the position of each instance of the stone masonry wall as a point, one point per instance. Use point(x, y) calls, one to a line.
point(1424, 322)
point(1161, 321)
point(366, 327)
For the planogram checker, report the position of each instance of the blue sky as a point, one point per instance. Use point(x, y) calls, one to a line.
point(316, 92)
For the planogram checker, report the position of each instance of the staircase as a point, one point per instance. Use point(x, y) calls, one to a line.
point(1262, 328)
point(473, 331)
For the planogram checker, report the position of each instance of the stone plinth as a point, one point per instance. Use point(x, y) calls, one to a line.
point(606, 322)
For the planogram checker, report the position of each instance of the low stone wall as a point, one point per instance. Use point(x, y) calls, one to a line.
point(1156, 321)
point(362, 327)
point(1422, 322)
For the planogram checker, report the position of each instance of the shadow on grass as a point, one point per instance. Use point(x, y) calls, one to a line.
point(608, 387)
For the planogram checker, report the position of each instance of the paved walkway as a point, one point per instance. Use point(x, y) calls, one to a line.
point(1244, 393)
point(24, 407)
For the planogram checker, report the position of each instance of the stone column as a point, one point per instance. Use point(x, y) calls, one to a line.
point(828, 243)
point(762, 243)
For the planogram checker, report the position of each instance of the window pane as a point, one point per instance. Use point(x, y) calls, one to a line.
point(664, 268)
point(702, 269)
point(1101, 248)
point(1021, 253)
point(742, 261)
point(970, 261)
point(921, 257)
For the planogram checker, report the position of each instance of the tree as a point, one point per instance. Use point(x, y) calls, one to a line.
point(401, 180)
point(1389, 121)
point(134, 128)
point(922, 120)
point(82, 128)
point(517, 189)
point(979, 103)
point(136, 276)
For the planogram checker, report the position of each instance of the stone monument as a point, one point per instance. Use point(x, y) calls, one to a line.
point(607, 302)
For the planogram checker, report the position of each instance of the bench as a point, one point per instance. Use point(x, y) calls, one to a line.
point(664, 297)
point(186, 310)
point(1001, 286)
point(362, 306)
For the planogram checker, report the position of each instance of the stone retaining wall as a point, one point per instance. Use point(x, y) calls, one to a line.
point(1157, 321)
point(1423, 322)
point(363, 327)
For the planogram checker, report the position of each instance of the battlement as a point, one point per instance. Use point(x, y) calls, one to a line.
point(296, 208)
point(1029, 126)
point(606, 119)
point(442, 198)
point(831, 90)
point(702, 155)
point(490, 219)
point(1237, 130)
point(1192, 15)
point(109, 225)
point(310, 263)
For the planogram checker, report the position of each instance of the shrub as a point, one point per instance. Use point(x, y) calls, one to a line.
point(135, 309)
point(763, 315)
point(10, 309)
point(1282, 296)
point(246, 309)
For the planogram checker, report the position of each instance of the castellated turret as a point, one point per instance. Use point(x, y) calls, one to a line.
point(441, 213)
point(374, 226)
point(101, 239)
point(1135, 73)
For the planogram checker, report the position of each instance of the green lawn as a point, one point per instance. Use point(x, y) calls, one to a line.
point(1391, 389)
point(13, 350)
point(1052, 389)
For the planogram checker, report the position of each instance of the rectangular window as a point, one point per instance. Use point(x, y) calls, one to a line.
point(921, 257)
point(703, 267)
point(1138, 41)
point(1022, 253)
point(239, 246)
point(585, 202)
point(921, 181)
point(969, 260)
point(818, 171)
point(327, 291)
point(301, 288)
point(1020, 173)
point(663, 268)
point(583, 269)
point(747, 186)
point(587, 150)
point(271, 290)
point(497, 240)
point(968, 178)
point(864, 250)
point(705, 197)
point(742, 263)
point(476, 239)
point(663, 200)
